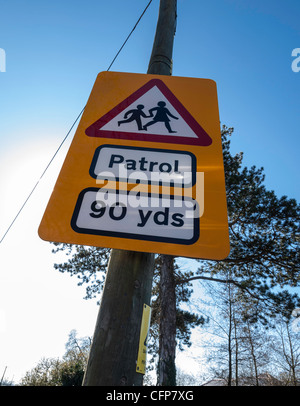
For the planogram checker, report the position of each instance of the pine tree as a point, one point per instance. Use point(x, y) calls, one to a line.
point(264, 259)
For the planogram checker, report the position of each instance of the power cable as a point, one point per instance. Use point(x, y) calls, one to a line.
point(45, 170)
point(72, 126)
point(117, 54)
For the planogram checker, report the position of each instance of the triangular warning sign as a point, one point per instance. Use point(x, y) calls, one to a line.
point(152, 113)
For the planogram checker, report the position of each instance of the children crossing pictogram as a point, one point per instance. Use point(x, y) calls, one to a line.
point(162, 115)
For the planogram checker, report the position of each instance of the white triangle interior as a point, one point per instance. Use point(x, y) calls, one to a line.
point(150, 100)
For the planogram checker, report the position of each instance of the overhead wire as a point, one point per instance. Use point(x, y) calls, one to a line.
point(68, 133)
point(136, 24)
point(45, 170)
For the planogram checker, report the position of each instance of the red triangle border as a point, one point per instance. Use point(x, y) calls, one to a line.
point(203, 138)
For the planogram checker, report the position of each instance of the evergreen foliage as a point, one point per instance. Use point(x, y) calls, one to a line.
point(263, 262)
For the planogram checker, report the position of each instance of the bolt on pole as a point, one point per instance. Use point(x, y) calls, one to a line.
point(128, 284)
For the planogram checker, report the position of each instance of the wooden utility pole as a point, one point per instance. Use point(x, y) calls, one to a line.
point(162, 51)
point(113, 355)
point(128, 285)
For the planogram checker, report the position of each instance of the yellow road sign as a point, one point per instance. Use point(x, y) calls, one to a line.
point(144, 171)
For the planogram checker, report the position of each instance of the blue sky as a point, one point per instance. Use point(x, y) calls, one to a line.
point(54, 50)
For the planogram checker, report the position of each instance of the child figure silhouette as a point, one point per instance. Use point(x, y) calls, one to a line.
point(136, 115)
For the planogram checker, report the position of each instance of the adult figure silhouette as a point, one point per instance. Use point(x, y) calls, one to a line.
point(162, 114)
